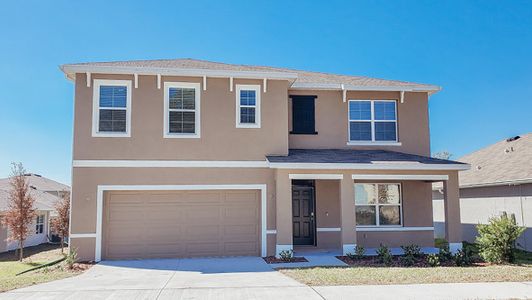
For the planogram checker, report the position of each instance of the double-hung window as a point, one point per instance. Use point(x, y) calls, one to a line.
point(247, 106)
point(39, 224)
point(378, 204)
point(372, 121)
point(181, 110)
point(111, 108)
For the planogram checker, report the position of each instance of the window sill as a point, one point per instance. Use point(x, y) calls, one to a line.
point(308, 133)
point(248, 126)
point(369, 143)
point(181, 136)
point(111, 134)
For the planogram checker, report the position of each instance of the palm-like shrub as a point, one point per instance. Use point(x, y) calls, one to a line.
point(497, 239)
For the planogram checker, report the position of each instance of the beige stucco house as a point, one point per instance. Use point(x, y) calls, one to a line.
point(500, 180)
point(181, 158)
point(46, 192)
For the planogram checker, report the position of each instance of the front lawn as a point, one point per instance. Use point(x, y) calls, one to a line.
point(34, 256)
point(404, 275)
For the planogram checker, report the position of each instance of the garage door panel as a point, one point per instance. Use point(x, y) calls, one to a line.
point(153, 224)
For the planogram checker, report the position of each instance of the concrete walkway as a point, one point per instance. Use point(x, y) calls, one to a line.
point(236, 278)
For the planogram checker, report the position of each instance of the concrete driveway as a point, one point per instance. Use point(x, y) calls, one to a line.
point(200, 278)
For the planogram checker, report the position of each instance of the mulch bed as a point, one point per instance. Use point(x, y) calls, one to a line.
point(397, 261)
point(275, 260)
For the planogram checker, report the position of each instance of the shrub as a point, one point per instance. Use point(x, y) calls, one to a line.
point(408, 260)
point(433, 260)
point(462, 258)
point(496, 240)
point(286, 255)
point(71, 258)
point(358, 254)
point(412, 250)
point(444, 254)
point(384, 255)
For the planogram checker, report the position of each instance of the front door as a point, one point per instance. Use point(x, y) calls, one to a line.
point(303, 212)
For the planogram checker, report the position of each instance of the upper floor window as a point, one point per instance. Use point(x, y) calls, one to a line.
point(181, 110)
point(111, 108)
point(378, 204)
point(39, 224)
point(372, 121)
point(247, 106)
point(303, 115)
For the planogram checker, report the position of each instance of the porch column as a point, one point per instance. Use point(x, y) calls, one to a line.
point(453, 224)
point(347, 214)
point(283, 205)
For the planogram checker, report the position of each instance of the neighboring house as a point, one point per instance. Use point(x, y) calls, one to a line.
point(180, 158)
point(500, 180)
point(46, 193)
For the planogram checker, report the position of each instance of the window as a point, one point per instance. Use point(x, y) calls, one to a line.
point(303, 115)
point(111, 108)
point(378, 204)
point(181, 110)
point(247, 106)
point(372, 121)
point(39, 224)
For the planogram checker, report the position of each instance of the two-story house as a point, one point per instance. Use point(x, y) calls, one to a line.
point(182, 158)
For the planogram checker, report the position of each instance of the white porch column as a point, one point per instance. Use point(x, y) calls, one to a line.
point(283, 204)
point(347, 214)
point(453, 224)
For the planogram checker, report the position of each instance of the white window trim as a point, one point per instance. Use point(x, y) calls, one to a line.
point(248, 87)
point(377, 218)
point(37, 223)
point(372, 121)
point(197, 129)
point(96, 107)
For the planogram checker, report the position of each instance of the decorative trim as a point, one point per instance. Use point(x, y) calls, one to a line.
point(279, 248)
point(82, 235)
point(257, 106)
point(328, 229)
point(197, 114)
point(170, 164)
point(383, 228)
point(103, 188)
point(362, 143)
point(348, 248)
point(271, 231)
point(96, 107)
point(316, 176)
point(371, 166)
point(398, 177)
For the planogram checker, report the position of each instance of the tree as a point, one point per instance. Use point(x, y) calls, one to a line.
point(21, 212)
point(61, 222)
point(442, 155)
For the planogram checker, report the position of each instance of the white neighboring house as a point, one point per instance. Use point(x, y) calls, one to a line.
point(46, 193)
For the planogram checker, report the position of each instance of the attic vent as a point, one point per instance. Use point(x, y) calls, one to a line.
point(514, 138)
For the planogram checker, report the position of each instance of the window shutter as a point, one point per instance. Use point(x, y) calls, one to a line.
point(303, 115)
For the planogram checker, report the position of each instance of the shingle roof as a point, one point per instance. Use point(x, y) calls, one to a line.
point(43, 200)
point(348, 156)
point(39, 183)
point(505, 161)
point(303, 77)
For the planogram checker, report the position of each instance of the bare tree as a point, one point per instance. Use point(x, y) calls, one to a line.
point(21, 212)
point(442, 155)
point(61, 222)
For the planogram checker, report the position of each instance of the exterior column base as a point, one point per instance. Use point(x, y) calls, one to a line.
point(280, 248)
point(348, 248)
point(455, 247)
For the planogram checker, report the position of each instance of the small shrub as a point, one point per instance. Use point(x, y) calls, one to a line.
point(408, 260)
point(71, 258)
point(433, 260)
point(384, 255)
point(497, 239)
point(358, 254)
point(412, 250)
point(286, 255)
point(444, 254)
point(463, 257)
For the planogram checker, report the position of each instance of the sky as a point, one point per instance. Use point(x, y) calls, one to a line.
point(480, 52)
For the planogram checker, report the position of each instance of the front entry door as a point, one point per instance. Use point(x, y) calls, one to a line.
point(303, 212)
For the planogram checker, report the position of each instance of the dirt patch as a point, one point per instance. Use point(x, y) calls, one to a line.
point(275, 260)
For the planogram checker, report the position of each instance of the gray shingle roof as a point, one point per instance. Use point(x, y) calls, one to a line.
point(501, 162)
point(302, 76)
point(349, 156)
point(39, 182)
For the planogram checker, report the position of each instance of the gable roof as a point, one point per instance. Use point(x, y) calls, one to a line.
point(504, 162)
point(43, 200)
point(39, 183)
point(193, 67)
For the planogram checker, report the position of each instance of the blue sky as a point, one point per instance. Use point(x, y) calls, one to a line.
point(478, 51)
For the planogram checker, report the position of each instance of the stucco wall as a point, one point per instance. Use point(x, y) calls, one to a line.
point(477, 205)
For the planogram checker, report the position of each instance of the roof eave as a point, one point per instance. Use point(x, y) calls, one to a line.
point(370, 166)
point(431, 89)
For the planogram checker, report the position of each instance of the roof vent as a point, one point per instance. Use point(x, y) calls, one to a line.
point(479, 167)
point(508, 150)
point(32, 187)
point(514, 138)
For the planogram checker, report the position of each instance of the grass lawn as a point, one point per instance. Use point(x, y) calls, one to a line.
point(34, 256)
point(521, 271)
